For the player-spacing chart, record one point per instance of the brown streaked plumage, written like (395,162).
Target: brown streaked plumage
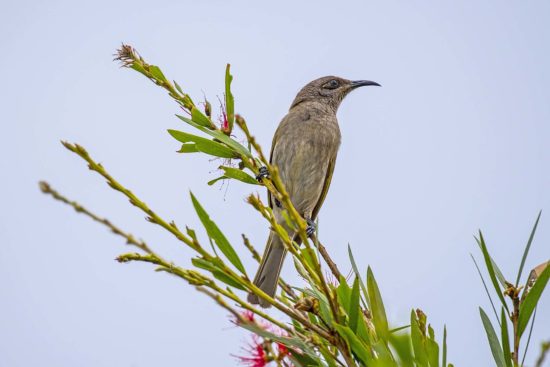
(304,149)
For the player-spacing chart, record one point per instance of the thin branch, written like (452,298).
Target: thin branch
(130,239)
(331,264)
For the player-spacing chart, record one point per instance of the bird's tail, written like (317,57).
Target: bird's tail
(268,273)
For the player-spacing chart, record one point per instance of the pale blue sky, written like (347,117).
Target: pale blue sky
(455,140)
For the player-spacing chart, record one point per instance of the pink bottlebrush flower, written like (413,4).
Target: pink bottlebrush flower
(283,351)
(256,354)
(247,315)
(225,122)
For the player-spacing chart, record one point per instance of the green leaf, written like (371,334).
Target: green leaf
(303,360)
(356,271)
(200,118)
(327,356)
(218,135)
(203,145)
(527,247)
(217,272)
(358,348)
(432,348)
(343,292)
(444,358)
(354,308)
(493,339)
(531,300)
(188,148)
(377,306)
(485,286)
(178,87)
(203,264)
(229,100)
(362,329)
(157,73)
(138,68)
(238,174)
(212,182)
(490,270)
(221,276)
(308,254)
(498,273)
(402,346)
(418,342)
(505,339)
(216,234)
(397,329)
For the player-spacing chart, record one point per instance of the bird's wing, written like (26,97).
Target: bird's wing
(326,184)
(269,200)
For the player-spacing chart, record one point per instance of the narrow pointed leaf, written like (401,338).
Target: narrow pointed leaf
(491,271)
(212,182)
(343,291)
(216,272)
(200,118)
(485,286)
(203,264)
(531,300)
(356,271)
(498,273)
(444,357)
(218,135)
(188,148)
(432,348)
(505,338)
(204,145)
(221,276)
(354,310)
(527,247)
(216,234)
(238,174)
(402,345)
(418,342)
(303,360)
(494,343)
(178,87)
(229,100)
(397,329)
(157,73)
(329,359)
(377,306)
(358,348)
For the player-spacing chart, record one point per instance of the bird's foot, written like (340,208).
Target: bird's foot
(311,227)
(262,173)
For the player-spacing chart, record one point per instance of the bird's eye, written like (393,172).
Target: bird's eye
(333,84)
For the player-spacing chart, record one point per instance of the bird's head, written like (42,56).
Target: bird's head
(329,90)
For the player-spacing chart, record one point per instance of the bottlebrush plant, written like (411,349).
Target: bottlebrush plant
(330,320)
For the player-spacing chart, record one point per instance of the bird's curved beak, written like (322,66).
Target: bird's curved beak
(363,83)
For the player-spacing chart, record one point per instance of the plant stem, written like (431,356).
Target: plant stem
(130,239)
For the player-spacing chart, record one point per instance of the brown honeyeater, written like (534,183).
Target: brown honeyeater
(304,150)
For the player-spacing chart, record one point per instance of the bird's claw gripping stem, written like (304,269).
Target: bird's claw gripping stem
(311,227)
(262,173)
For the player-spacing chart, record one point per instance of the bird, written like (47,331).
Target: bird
(304,150)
